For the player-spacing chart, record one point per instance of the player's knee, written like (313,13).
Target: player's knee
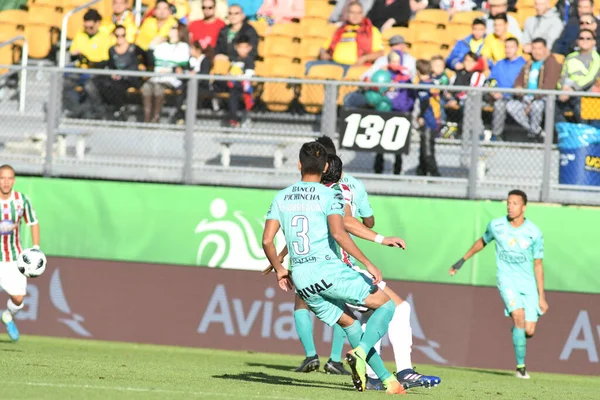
(17,300)
(300,304)
(345,320)
(518,317)
(377,299)
(529,332)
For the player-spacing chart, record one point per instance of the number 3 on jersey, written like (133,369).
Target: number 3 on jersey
(301,246)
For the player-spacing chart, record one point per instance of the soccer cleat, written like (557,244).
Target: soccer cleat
(374,384)
(409,378)
(359,369)
(11,327)
(309,364)
(335,368)
(522,373)
(392,386)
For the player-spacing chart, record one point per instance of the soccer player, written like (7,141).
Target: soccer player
(520,275)
(16,207)
(311,217)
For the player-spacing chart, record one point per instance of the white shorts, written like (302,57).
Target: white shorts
(11,280)
(381,285)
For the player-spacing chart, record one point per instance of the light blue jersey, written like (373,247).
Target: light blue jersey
(359,193)
(302,210)
(516,248)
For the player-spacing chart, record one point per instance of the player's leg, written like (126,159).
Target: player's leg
(532,313)
(334,364)
(304,329)
(15,284)
(514,306)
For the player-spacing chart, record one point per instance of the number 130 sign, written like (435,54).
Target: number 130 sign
(370,130)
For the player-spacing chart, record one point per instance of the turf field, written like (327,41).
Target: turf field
(49,368)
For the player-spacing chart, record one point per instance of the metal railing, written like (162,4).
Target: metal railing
(63,32)
(23,73)
(190,153)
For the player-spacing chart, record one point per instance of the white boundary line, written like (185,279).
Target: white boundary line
(146,390)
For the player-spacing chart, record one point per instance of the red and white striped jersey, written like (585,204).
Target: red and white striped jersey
(347,193)
(16,208)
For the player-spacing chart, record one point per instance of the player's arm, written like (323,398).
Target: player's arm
(538,269)
(369,222)
(341,236)
(268,242)
(356,228)
(476,248)
(281,256)
(35,235)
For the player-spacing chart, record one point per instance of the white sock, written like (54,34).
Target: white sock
(11,310)
(400,334)
(363,320)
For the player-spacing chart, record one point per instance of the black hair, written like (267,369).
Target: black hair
(517,192)
(313,157)
(242,39)
(328,143)
(472,55)
(92,15)
(478,21)
(512,39)
(501,16)
(540,40)
(334,170)
(588,31)
(119,27)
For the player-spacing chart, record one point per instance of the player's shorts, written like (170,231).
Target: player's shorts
(369,279)
(327,287)
(514,299)
(11,280)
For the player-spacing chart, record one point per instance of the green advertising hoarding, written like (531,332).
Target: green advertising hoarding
(221,227)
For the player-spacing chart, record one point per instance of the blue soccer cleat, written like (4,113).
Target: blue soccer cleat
(11,327)
(409,378)
(374,384)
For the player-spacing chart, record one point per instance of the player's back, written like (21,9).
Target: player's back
(302,210)
(359,195)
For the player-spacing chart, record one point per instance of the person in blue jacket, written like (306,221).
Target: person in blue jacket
(473,42)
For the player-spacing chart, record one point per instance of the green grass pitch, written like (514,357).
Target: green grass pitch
(51,368)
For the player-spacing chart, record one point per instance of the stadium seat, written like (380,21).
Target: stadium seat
(220,67)
(415,25)
(317,10)
(278,96)
(8,31)
(425,50)
(406,33)
(439,17)
(524,4)
(320,30)
(590,108)
(437,36)
(41,38)
(44,15)
(291,31)
(312,96)
(467,16)
(279,46)
(559,57)
(16,18)
(260,27)
(309,49)
(523,14)
(458,30)
(353,74)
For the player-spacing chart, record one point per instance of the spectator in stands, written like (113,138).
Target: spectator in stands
(355,43)
(587,21)
(237,27)
(206,30)
(242,63)
(453,6)
(123,56)
(503,75)
(571,31)
(428,120)
(567,10)
(471,75)
(340,11)
(398,44)
(545,24)
(281,11)
(493,45)
(579,73)
(498,7)
(180,10)
(473,43)
(248,7)
(388,13)
(542,72)
(90,46)
(171,56)
(156,29)
(196,12)
(121,16)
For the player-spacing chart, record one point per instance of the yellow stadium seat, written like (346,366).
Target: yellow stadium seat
(307,21)
(278,96)
(415,25)
(524,3)
(425,50)
(261,68)
(439,17)
(44,15)
(560,58)
(52,3)
(590,108)
(310,48)
(523,14)
(319,30)
(16,18)
(278,46)
(354,74)
(260,27)
(8,31)
(41,38)
(291,31)
(402,31)
(220,67)
(312,96)
(467,16)
(317,10)
(439,37)
(458,31)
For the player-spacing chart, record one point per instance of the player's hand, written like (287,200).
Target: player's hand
(543,305)
(284,280)
(454,269)
(376,272)
(393,241)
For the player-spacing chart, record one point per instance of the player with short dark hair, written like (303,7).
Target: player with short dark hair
(311,217)
(16,207)
(520,274)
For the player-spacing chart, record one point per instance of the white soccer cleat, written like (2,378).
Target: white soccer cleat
(522,373)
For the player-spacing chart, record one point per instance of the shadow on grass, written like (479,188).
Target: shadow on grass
(261,377)
(485,371)
(271,366)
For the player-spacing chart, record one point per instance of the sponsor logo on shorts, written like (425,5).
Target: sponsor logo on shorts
(313,289)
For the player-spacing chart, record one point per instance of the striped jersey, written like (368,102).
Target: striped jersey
(348,199)
(16,208)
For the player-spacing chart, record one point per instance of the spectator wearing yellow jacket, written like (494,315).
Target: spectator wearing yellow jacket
(120,16)
(155,29)
(493,45)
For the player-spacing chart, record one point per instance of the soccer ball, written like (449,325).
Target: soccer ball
(32,263)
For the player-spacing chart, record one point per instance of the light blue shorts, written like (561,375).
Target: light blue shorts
(328,287)
(514,299)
